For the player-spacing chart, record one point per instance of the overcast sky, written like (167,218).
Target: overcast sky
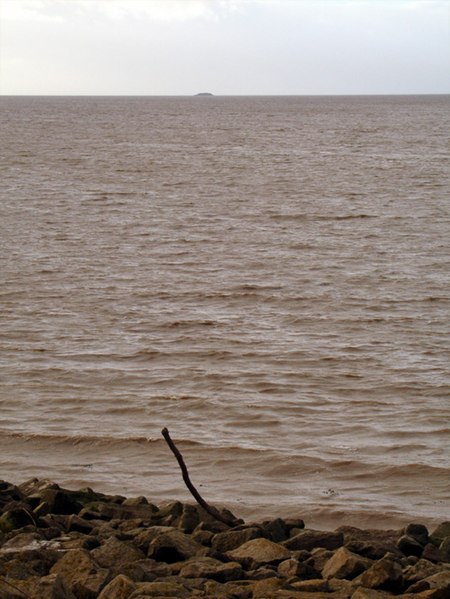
(166,47)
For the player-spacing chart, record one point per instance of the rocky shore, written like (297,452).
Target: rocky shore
(62,544)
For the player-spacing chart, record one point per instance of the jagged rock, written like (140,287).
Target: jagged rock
(173,546)
(120,587)
(345,564)
(422,569)
(206,567)
(317,558)
(292,567)
(258,552)
(384,574)
(440,533)
(309,539)
(114,554)
(159,589)
(143,538)
(227,541)
(144,570)
(81,574)
(373,544)
(410,546)
(204,537)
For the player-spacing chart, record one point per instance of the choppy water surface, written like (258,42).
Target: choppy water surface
(267,277)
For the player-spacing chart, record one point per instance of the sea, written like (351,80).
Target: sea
(267,277)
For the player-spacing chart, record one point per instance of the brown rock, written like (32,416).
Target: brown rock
(363,593)
(81,574)
(345,564)
(120,587)
(259,551)
(309,539)
(173,546)
(440,533)
(114,553)
(292,567)
(433,553)
(159,589)
(385,574)
(419,532)
(207,567)
(409,546)
(229,540)
(313,585)
(422,569)
(267,588)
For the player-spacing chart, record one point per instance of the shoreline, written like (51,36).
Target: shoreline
(83,544)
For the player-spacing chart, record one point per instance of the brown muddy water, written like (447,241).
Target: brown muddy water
(268,277)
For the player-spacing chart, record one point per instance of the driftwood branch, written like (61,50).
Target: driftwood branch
(198,498)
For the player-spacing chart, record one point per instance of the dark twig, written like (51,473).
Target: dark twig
(198,498)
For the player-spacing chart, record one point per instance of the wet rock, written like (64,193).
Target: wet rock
(384,574)
(173,546)
(227,541)
(409,546)
(309,539)
(120,587)
(345,564)
(258,552)
(81,574)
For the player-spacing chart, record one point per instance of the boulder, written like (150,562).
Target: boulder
(422,569)
(410,546)
(419,532)
(309,539)
(159,589)
(114,553)
(290,568)
(207,567)
(440,533)
(173,546)
(258,552)
(227,541)
(384,574)
(345,564)
(120,587)
(81,573)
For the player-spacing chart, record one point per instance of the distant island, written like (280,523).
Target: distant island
(204,94)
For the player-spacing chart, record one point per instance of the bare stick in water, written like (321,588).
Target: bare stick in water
(198,498)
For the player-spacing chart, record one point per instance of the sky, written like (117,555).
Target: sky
(226,47)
